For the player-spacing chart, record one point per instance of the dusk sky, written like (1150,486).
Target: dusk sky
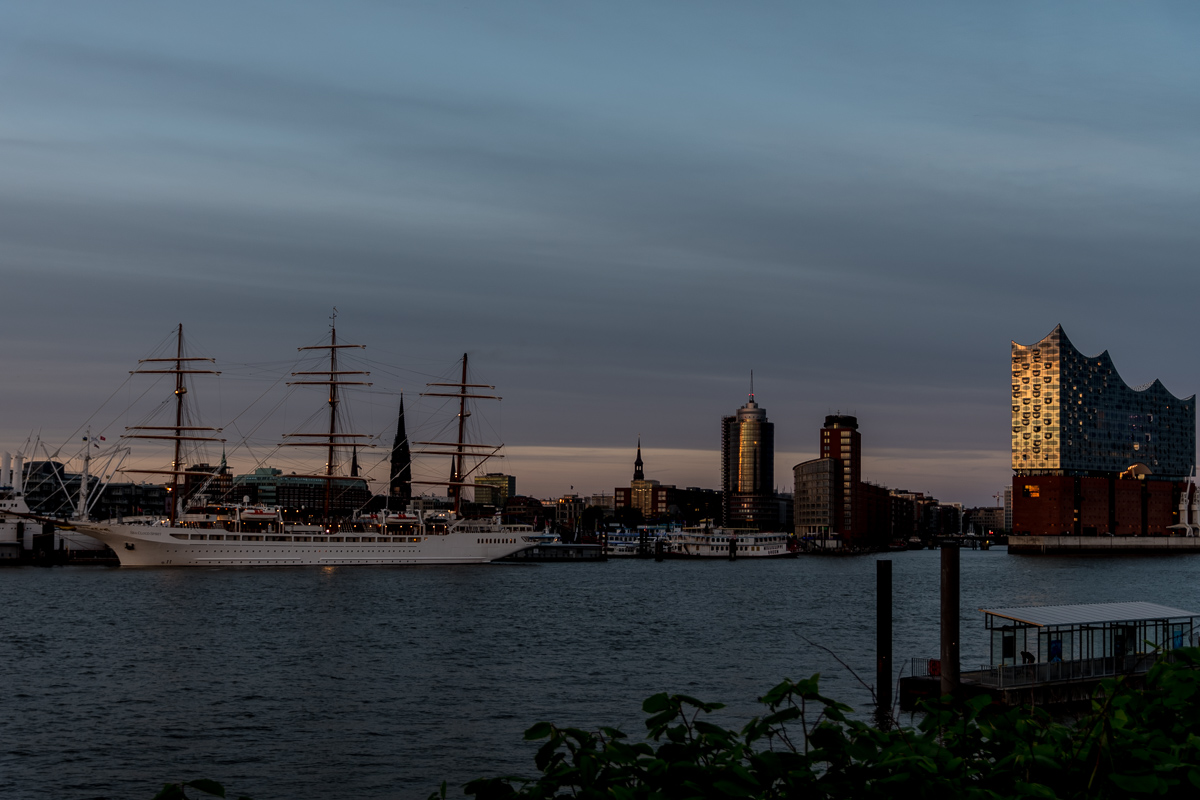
(618,209)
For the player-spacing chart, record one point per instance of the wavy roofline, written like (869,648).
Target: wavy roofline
(1104,356)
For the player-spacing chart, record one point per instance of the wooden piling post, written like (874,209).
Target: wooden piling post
(883,639)
(950,617)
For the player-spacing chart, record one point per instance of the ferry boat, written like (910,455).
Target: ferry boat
(632,544)
(704,542)
(701,542)
(246,535)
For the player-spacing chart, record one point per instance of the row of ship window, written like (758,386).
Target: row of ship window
(233,537)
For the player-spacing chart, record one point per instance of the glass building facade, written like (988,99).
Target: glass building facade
(748,469)
(1073,415)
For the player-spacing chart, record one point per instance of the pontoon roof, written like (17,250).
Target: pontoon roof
(1088,614)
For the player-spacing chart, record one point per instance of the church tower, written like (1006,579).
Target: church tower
(400,483)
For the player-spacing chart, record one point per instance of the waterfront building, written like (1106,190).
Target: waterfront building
(831,499)
(983,520)
(605,501)
(841,441)
(1090,454)
(521,510)
(905,515)
(494,489)
(835,506)
(302,497)
(567,510)
(817,497)
(748,469)
(658,502)
(646,496)
(52,491)
(204,484)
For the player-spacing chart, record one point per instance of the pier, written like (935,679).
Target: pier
(1103,545)
(1056,656)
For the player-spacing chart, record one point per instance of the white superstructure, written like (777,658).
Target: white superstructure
(256,537)
(701,542)
(719,543)
(12,499)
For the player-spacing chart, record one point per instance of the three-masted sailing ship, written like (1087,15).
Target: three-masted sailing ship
(256,535)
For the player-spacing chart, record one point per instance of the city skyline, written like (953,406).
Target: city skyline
(619,211)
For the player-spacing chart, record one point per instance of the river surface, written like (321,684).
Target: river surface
(363,682)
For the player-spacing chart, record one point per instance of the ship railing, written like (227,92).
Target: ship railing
(1011,675)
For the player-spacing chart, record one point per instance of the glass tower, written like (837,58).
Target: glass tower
(748,469)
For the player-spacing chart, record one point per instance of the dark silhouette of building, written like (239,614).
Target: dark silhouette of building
(660,503)
(52,491)
(1090,454)
(400,482)
(522,510)
(494,489)
(302,497)
(748,469)
(204,484)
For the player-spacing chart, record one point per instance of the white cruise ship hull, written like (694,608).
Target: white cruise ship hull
(163,546)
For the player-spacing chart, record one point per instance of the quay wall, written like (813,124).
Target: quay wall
(1115,545)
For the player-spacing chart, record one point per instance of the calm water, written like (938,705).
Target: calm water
(380,682)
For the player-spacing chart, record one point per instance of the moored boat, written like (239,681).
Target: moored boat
(704,542)
(256,535)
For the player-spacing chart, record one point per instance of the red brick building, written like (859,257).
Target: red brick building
(1090,505)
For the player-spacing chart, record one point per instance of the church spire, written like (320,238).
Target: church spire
(400,485)
(638,473)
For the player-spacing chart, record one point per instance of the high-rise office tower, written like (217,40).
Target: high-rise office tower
(841,440)
(748,469)
(831,499)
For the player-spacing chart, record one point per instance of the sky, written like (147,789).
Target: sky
(617,209)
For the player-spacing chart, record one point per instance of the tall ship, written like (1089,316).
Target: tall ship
(249,535)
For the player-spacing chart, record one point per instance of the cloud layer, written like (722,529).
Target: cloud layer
(619,210)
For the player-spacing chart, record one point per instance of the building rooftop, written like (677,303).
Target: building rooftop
(1088,614)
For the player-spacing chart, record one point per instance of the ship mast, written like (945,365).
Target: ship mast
(457,476)
(332,439)
(456,461)
(176,432)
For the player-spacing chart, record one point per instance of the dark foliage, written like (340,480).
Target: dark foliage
(1133,742)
